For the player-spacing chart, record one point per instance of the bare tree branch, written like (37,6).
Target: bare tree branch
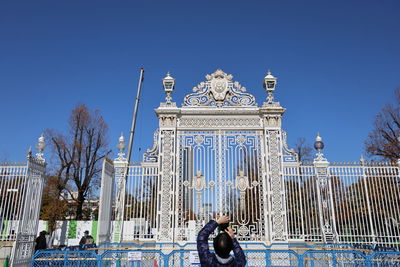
(303,150)
(383,141)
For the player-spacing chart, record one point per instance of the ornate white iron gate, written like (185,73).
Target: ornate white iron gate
(220,173)
(218,154)
(221,154)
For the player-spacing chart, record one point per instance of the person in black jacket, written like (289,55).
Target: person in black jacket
(86,239)
(224,243)
(41,242)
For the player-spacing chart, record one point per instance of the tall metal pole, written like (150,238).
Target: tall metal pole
(132,133)
(120,208)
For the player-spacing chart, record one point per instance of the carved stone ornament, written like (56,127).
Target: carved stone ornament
(219,90)
(167,120)
(273,121)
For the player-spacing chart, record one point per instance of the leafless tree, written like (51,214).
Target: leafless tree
(303,150)
(79,154)
(384,140)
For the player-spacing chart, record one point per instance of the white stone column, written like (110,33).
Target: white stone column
(276,217)
(167,115)
(121,169)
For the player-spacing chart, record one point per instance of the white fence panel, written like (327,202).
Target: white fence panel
(366,202)
(106,201)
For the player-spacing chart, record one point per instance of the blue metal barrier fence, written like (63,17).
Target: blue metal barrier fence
(183,257)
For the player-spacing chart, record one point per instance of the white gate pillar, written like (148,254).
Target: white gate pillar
(167,114)
(324,195)
(121,170)
(271,113)
(275,194)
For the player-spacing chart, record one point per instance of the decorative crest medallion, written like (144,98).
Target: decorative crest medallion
(219,90)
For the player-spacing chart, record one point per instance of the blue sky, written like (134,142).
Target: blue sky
(337,63)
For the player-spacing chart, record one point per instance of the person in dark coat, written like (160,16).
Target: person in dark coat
(41,242)
(224,243)
(86,239)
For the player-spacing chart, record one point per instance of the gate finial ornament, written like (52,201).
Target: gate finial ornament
(121,147)
(40,147)
(319,146)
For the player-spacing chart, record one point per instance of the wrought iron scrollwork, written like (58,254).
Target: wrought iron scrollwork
(151,155)
(219,91)
(289,155)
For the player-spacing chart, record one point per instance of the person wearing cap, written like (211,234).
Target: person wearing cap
(86,239)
